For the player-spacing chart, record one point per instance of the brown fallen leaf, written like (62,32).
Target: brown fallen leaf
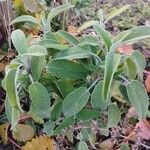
(72,29)
(42,142)
(24,133)
(131,113)
(125,49)
(107,145)
(147,83)
(3,64)
(141,130)
(3,132)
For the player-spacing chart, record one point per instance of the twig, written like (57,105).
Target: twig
(146,146)
(146,72)
(9,19)
(14,143)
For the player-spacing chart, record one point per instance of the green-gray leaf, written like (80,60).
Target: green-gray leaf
(56,112)
(87,114)
(82,145)
(138,98)
(64,124)
(40,100)
(58,10)
(96,97)
(66,69)
(11,88)
(65,87)
(111,63)
(19,41)
(25,18)
(117,12)
(140,63)
(124,147)
(74,53)
(75,101)
(37,65)
(15,118)
(114,115)
(89,40)
(48,127)
(131,68)
(104,35)
(137,33)
(87,24)
(35,50)
(68,37)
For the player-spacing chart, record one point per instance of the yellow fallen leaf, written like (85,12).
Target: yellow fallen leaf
(42,142)
(24,132)
(3,132)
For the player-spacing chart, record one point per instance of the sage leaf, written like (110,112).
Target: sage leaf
(66,69)
(15,118)
(58,10)
(11,88)
(87,114)
(37,65)
(89,40)
(75,101)
(137,33)
(56,112)
(82,145)
(19,41)
(87,24)
(65,87)
(74,53)
(68,37)
(36,50)
(111,63)
(131,68)
(114,115)
(117,12)
(48,127)
(96,98)
(40,100)
(124,147)
(64,124)
(104,35)
(25,18)
(138,97)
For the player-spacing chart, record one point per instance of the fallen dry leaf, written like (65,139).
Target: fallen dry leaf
(141,130)
(147,83)
(42,142)
(3,132)
(131,113)
(107,145)
(3,65)
(72,29)
(125,49)
(24,132)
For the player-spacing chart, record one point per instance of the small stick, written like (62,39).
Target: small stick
(14,143)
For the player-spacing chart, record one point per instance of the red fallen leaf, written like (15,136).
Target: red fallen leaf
(147,83)
(125,49)
(141,130)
